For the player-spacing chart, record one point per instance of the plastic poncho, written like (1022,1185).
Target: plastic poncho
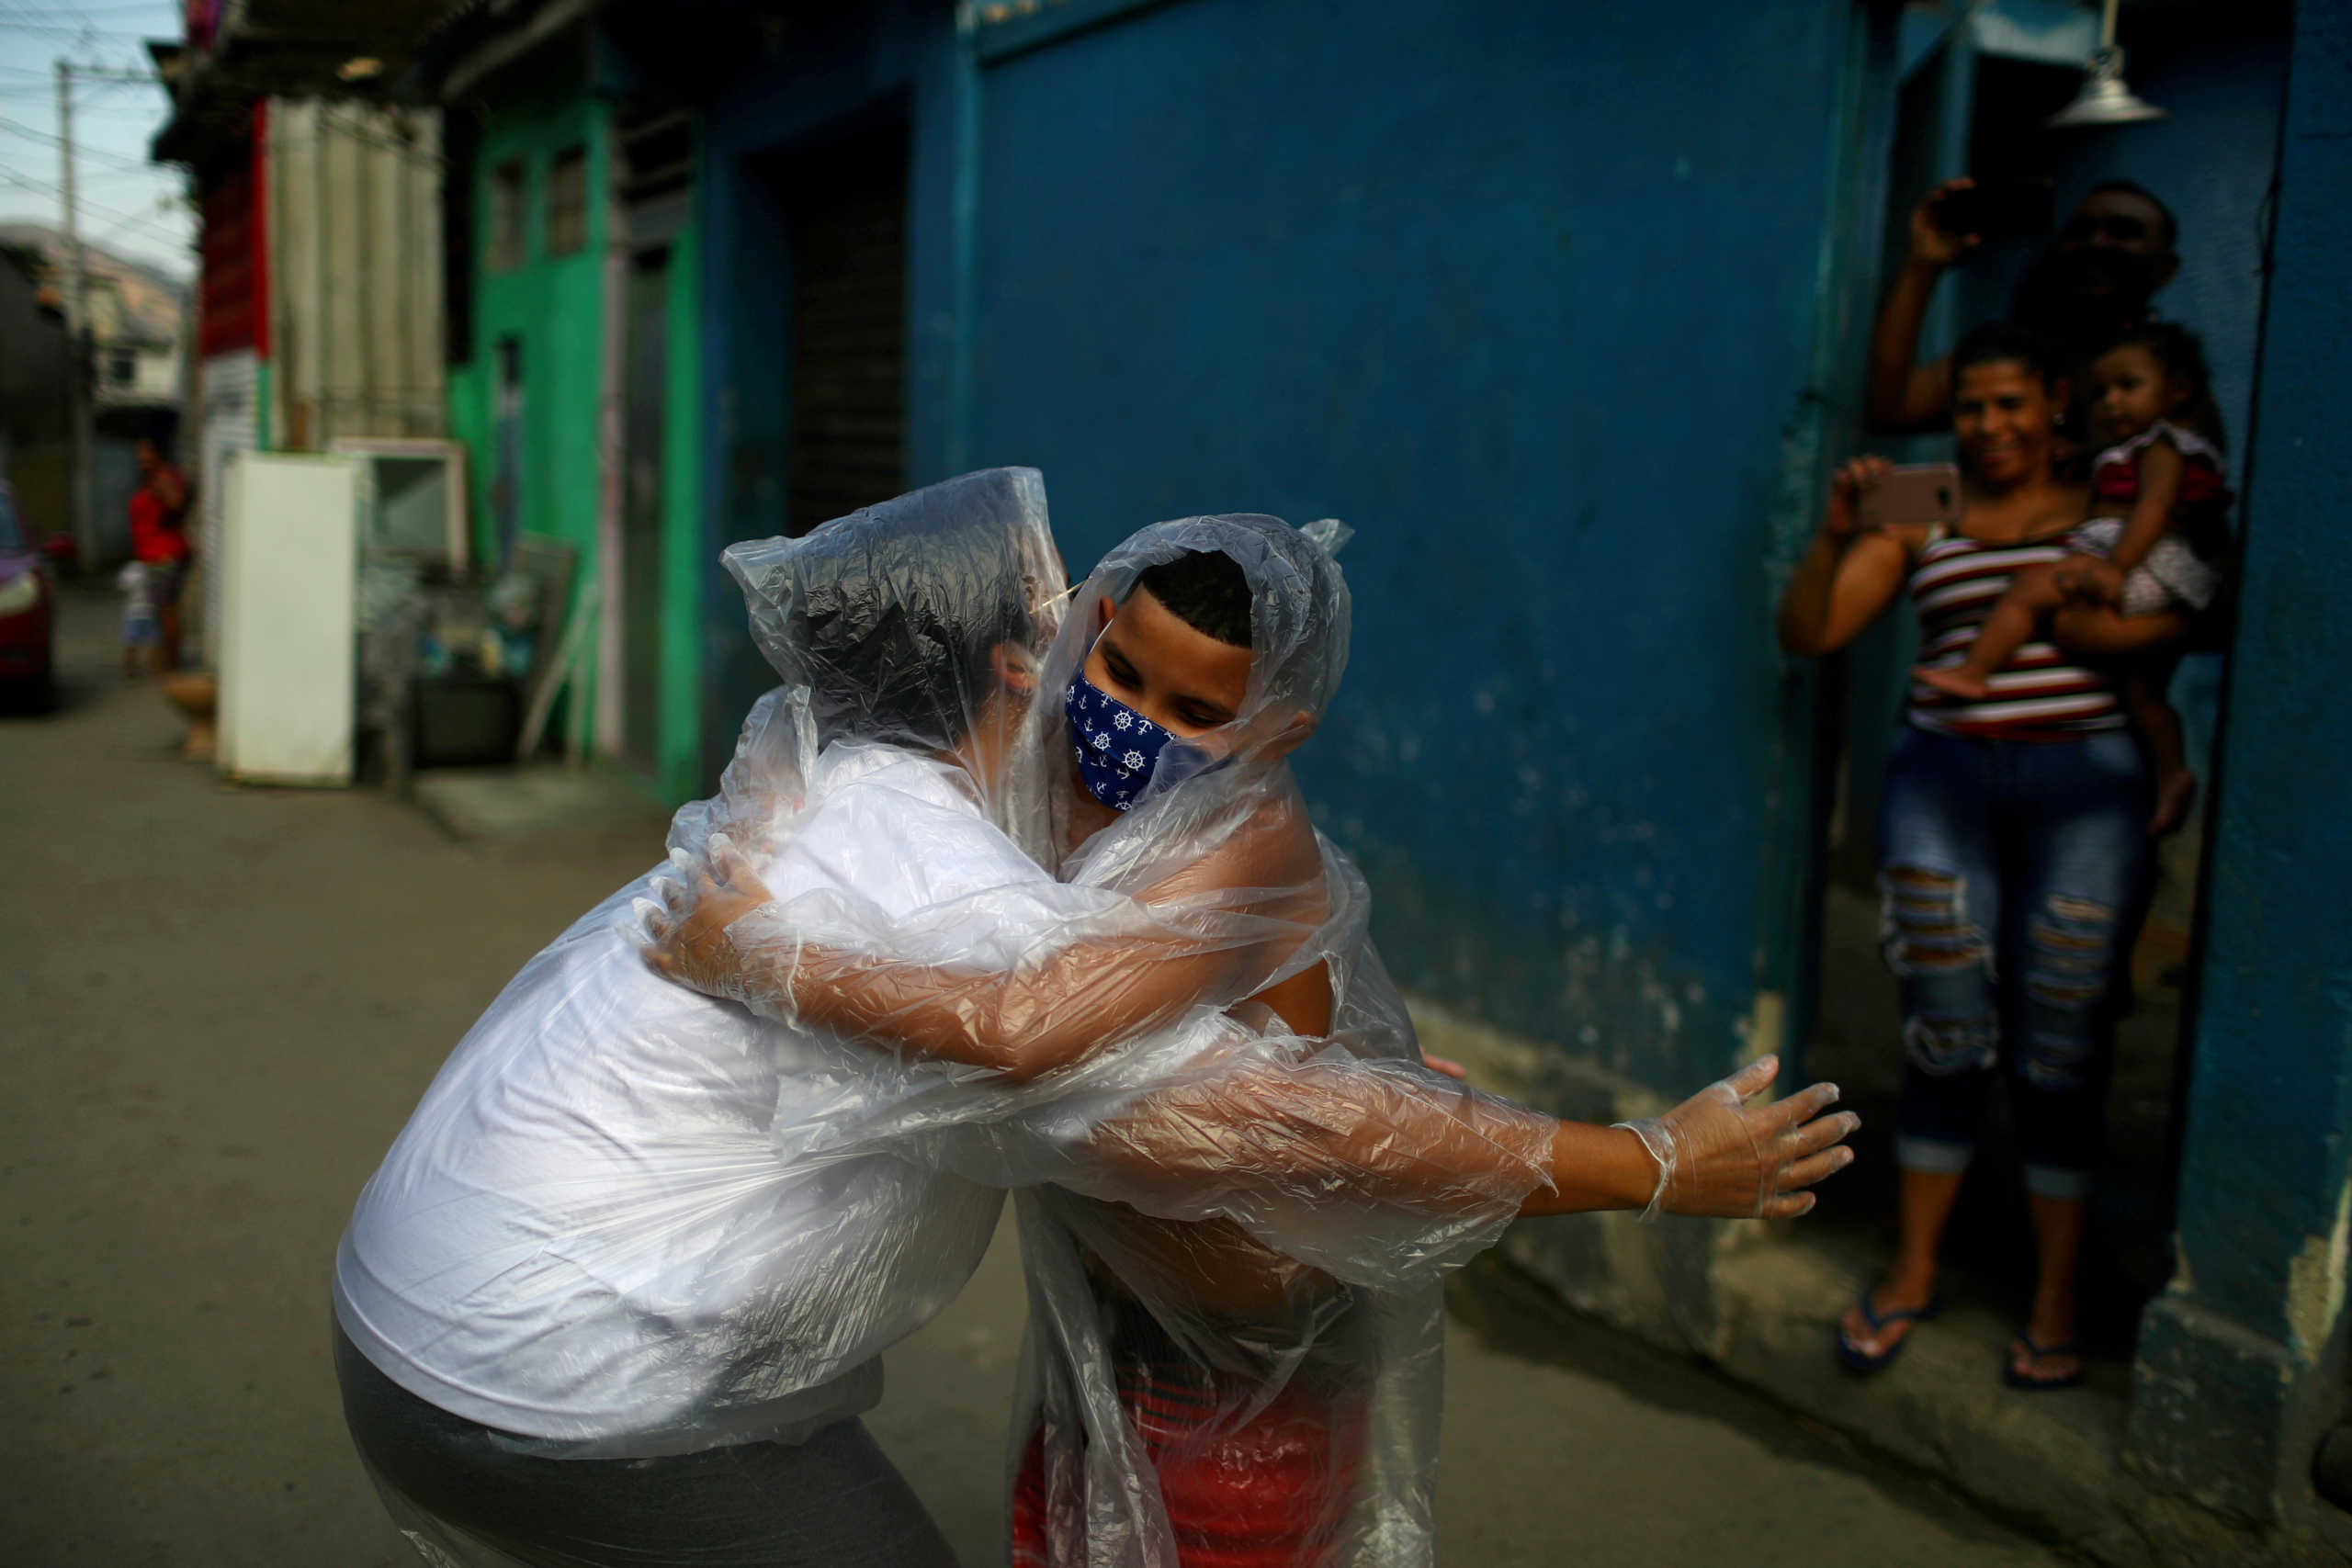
(631,1220)
(1233,1234)
(594,1231)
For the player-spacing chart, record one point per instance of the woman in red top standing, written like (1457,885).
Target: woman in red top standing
(159,538)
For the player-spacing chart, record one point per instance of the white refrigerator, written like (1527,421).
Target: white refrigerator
(289,553)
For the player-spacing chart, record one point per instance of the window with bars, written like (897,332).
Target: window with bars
(568,202)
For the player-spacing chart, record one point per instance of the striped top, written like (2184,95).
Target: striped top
(2037,696)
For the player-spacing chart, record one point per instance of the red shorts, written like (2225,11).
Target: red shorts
(1271,1492)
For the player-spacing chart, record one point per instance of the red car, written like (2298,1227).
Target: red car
(28,609)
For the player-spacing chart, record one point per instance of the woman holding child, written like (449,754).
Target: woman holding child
(2015,829)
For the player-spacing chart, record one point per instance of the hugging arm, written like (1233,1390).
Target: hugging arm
(1189,941)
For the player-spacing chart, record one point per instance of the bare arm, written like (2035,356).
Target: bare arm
(1382,1131)
(1847,577)
(2160,473)
(1904,394)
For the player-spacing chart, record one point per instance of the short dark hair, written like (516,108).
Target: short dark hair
(2133,188)
(891,617)
(1206,590)
(2004,342)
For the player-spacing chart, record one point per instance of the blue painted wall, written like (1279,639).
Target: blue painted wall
(2272,1098)
(831,70)
(1560,310)
(1530,299)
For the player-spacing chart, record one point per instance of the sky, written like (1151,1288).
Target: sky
(130,205)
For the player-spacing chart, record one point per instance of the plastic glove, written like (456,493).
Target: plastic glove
(684,935)
(1720,1157)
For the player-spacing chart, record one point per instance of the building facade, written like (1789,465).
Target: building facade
(574,354)
(318,285)
(1568,319)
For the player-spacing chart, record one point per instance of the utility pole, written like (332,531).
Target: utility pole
(77,357)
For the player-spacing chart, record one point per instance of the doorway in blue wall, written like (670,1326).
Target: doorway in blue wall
(846,204)
(806,317)
(1969,105)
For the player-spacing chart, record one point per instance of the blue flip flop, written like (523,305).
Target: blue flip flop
(1861,1361)
(2034,1352)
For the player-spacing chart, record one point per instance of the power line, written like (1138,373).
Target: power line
(48,139)
(117,227)
(10,24)
(55,192)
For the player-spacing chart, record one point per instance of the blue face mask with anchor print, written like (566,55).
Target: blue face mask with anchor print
(1119,750)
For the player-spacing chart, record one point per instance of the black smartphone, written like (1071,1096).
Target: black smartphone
(1999,209)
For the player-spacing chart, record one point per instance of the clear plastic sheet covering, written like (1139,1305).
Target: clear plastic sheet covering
(592,1233)
(629,1220)
(1232,1231)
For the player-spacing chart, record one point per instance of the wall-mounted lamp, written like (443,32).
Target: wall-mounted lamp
(2104,100)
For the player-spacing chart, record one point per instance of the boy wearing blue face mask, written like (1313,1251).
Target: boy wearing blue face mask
(1171,664)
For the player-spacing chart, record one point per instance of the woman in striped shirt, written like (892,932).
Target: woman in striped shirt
(2011,848)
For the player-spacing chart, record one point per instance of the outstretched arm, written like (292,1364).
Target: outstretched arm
(1386,1130)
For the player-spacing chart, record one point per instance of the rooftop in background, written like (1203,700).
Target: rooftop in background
(153,301)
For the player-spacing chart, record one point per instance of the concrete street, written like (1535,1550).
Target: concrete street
(218,1004)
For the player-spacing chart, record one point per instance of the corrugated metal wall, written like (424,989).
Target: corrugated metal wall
(356,276)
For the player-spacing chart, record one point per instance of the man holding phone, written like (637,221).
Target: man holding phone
(2095,279)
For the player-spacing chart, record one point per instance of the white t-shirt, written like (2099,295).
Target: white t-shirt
(598,1228)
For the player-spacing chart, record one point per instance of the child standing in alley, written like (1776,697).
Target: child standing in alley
(2141,569)
(141,629)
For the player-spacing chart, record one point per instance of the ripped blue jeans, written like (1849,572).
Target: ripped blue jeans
(2012,874)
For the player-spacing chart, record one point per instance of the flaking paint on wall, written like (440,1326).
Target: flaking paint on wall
(2315,1283)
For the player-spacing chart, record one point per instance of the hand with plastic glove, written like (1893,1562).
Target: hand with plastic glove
(1720,1155)
(687,932)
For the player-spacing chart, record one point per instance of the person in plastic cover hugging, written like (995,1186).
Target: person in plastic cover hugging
(619,1291)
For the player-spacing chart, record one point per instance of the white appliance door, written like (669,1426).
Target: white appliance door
(288,645)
